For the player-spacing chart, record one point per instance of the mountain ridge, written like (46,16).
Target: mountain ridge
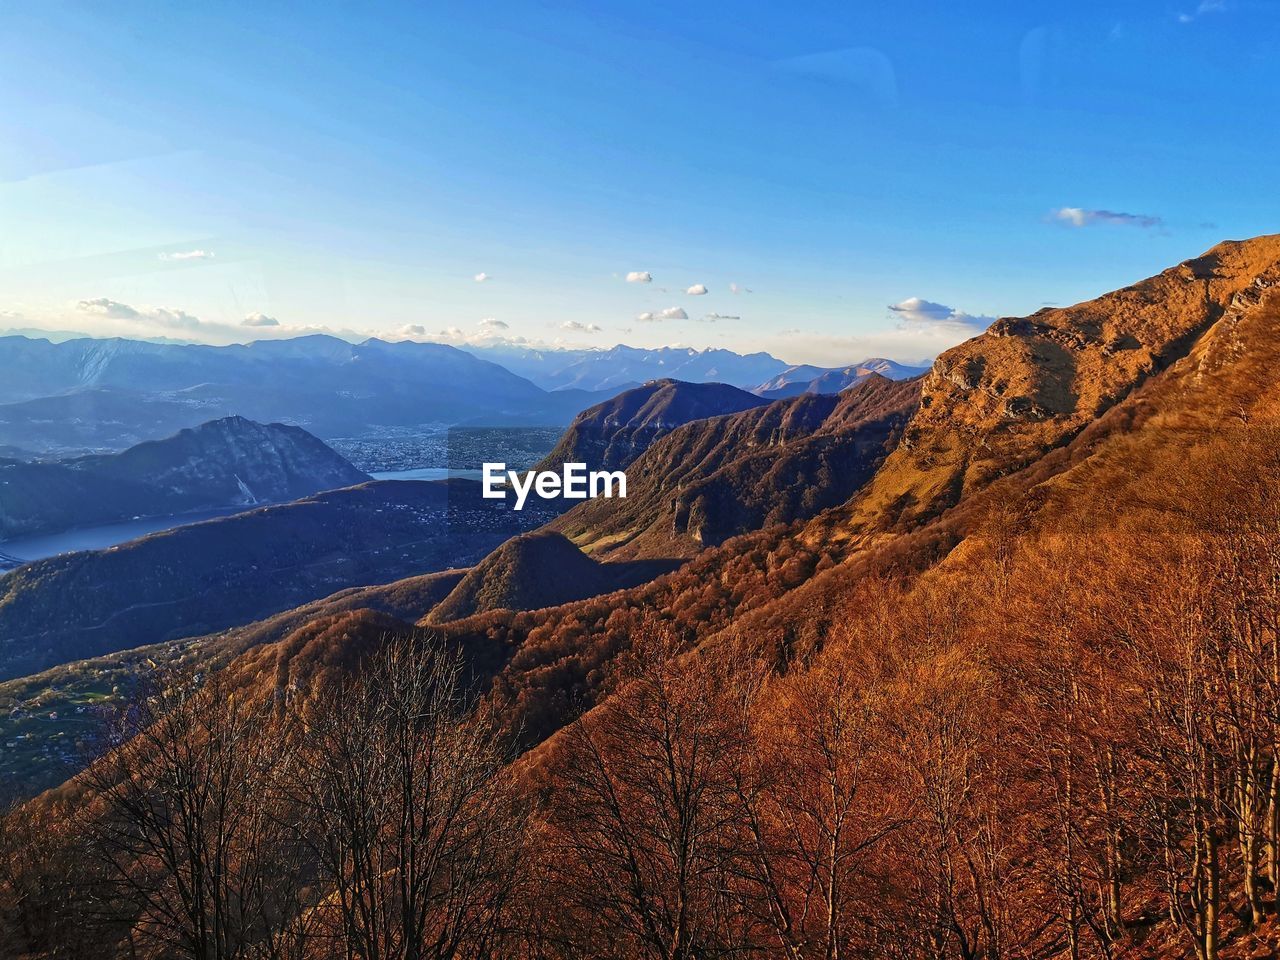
(805,378)
(610,435)
(709,480)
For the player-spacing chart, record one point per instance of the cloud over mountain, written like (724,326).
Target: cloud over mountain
(918,312)
(158,316)
(581,327)
(259,320)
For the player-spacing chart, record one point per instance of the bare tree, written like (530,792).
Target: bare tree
(194,850)
(645,814)
(408,809)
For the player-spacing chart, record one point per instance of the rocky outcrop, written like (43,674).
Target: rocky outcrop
(995,403)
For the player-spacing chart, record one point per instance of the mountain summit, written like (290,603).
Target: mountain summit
(612,434)
(228,462)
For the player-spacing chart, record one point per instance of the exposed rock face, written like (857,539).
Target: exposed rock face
(612,434)
(996,402)
(228,462)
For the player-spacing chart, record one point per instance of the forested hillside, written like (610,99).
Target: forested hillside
(1015,698)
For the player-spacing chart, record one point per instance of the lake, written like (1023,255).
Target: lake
(112,534)
(427,473)
(99,538)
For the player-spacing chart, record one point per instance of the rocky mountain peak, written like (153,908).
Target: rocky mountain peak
(1027,384)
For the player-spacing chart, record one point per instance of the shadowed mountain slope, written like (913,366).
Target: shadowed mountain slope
(541,569)
(967,638)
(1210,360)
(208,576)
(713,479)
(610,435)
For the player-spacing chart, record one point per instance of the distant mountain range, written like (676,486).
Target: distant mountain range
(621,367)
(92,394)
(65,396)
(804,378)
(228,462)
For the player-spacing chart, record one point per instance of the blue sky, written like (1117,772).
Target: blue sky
(174,171)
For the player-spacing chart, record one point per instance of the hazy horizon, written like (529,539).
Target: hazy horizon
(819,184)
(356,338)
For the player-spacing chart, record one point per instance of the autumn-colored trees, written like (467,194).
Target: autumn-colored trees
(1062,741)
(380,823)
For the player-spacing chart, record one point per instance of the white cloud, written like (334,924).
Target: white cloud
(481,277)
(697,290)
(188,255)
(671,313)
(924,329)
(1080,217)
(737,288)
(1205,6)
(917,313)
(639,276)
(581,327)
(412,330)
(156,316)
(919,310)
(713,317)
(104,307)
(259,320)
(493,323)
